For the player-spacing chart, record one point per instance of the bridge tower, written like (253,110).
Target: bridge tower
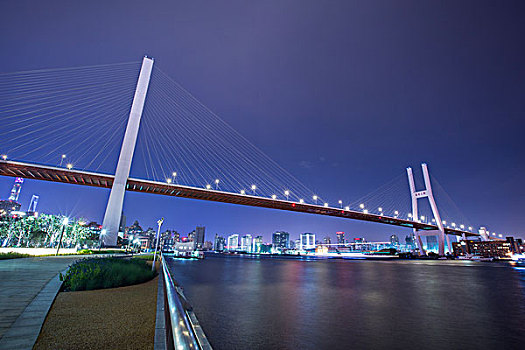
(427,193)
(110,225)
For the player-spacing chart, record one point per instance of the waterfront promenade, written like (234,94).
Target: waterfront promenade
(28,287)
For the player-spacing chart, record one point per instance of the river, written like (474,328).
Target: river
(244,302)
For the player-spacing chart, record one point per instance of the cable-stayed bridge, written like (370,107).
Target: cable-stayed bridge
(71,125)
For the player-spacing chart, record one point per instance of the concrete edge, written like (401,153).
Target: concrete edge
(24,332)
(160,319)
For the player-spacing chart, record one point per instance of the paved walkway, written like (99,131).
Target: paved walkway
(28,287)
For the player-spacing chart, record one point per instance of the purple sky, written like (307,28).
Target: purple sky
(357,89)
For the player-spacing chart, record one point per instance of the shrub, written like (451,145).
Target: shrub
(13,255)
(100,273)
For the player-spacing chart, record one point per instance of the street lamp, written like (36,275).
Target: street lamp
(4,156)
(301,201)
(69,166)
(243,192)
(208,186)
(62,159)
(216,184)
(168,180)
(253,188)
(365,211)
(174,175)
(156,244)
(410,215)
(287,194)
(362,206)
(315,198)
(65,221)
(326,205)
(380,210)
(347,208)
(341,203)
(396,213)
(274,196)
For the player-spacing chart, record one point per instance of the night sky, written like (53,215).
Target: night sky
(343,94)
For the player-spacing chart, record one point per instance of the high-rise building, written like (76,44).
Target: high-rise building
(233,242)
(246,243)
(410,241)
(281,240)
(340,238)
(219,243)
(307,241)
(257,244)
(394,241)
(15,191)
(199,237)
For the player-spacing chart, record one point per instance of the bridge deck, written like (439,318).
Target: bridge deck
(85,178)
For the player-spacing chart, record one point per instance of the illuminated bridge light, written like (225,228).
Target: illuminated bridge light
(70,166)
(208,186)
(362,206)
(243,192)
(301,201)
(347,208)
(4,156)
(326,205)
(462,226)
(470,228)
(365,211)
(168,180)
(274,196)
(287,194)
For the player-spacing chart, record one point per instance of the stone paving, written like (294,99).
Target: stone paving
(28,287)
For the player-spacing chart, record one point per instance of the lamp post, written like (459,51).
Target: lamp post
(65,221)
(156,244)
(62,160)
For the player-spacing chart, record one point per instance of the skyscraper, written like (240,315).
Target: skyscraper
(307,241)
(233,242)
(281,240)
(257,244)
(394,241)
(15,191)
(327,240)
(199,236)
(340,238)
(246,243)
(219,243)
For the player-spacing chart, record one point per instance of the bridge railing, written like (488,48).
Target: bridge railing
(183,330)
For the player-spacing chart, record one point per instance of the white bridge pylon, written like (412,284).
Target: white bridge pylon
(111,223)
(427,193)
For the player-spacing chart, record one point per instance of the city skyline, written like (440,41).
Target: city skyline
(263,115)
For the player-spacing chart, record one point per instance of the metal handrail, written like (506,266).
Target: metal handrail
(182,328)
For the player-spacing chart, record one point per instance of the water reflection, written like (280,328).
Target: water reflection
(246,303)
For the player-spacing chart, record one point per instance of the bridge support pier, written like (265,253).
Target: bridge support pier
(427,193)
(111,223)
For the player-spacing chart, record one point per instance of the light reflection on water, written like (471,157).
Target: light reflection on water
(249,303)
